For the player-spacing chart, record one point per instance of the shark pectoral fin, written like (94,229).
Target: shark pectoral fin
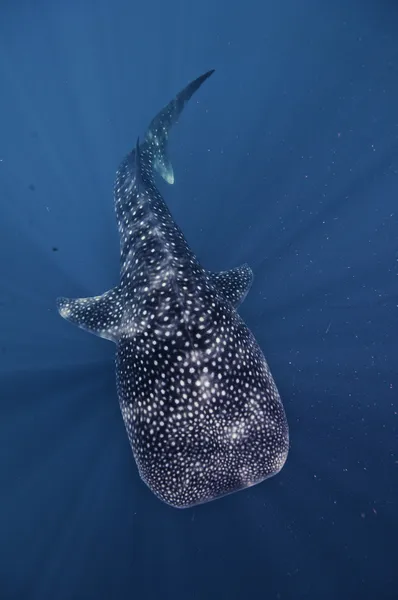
(233,285)
(101,315)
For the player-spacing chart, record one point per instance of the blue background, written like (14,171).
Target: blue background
(287,158)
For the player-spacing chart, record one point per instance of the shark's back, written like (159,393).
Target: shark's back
(201,409)
(200,405)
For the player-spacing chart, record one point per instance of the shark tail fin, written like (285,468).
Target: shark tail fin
(156,137)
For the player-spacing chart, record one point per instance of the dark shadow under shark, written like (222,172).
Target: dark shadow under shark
(201,409)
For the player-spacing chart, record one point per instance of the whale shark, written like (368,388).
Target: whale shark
(201,409)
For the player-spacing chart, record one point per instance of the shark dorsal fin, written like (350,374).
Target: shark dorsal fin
(138,164)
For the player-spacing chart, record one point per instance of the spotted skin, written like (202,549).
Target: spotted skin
(200,406)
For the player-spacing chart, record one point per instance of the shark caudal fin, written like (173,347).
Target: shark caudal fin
(157,134)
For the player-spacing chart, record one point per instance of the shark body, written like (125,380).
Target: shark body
(201,409)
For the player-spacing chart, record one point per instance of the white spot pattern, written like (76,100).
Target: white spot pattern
(200,406)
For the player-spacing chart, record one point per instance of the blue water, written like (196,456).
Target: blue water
(287,159)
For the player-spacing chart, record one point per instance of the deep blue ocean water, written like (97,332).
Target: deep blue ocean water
(287,159)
